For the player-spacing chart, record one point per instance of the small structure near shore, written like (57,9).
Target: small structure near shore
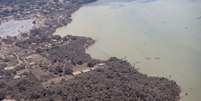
(40,66)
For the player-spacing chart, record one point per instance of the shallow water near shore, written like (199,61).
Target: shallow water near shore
(161,37)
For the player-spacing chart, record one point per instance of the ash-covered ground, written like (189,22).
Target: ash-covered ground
(36,65)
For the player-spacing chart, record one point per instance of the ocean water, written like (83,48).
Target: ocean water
(160,37)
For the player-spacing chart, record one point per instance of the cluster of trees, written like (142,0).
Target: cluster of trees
(118,81)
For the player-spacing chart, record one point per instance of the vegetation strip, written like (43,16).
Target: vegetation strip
(38,66)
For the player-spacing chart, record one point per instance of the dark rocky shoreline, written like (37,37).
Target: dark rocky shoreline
(40,66)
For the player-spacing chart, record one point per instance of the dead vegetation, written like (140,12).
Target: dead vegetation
(39,66)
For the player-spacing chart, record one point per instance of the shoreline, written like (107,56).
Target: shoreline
(38,65)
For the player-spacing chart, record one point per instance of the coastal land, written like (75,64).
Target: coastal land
(36,65)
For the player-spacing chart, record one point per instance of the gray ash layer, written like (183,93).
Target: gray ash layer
(39,66)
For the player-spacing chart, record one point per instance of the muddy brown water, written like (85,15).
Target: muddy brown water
(161,37)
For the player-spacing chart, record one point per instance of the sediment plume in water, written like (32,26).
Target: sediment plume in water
(38,66)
